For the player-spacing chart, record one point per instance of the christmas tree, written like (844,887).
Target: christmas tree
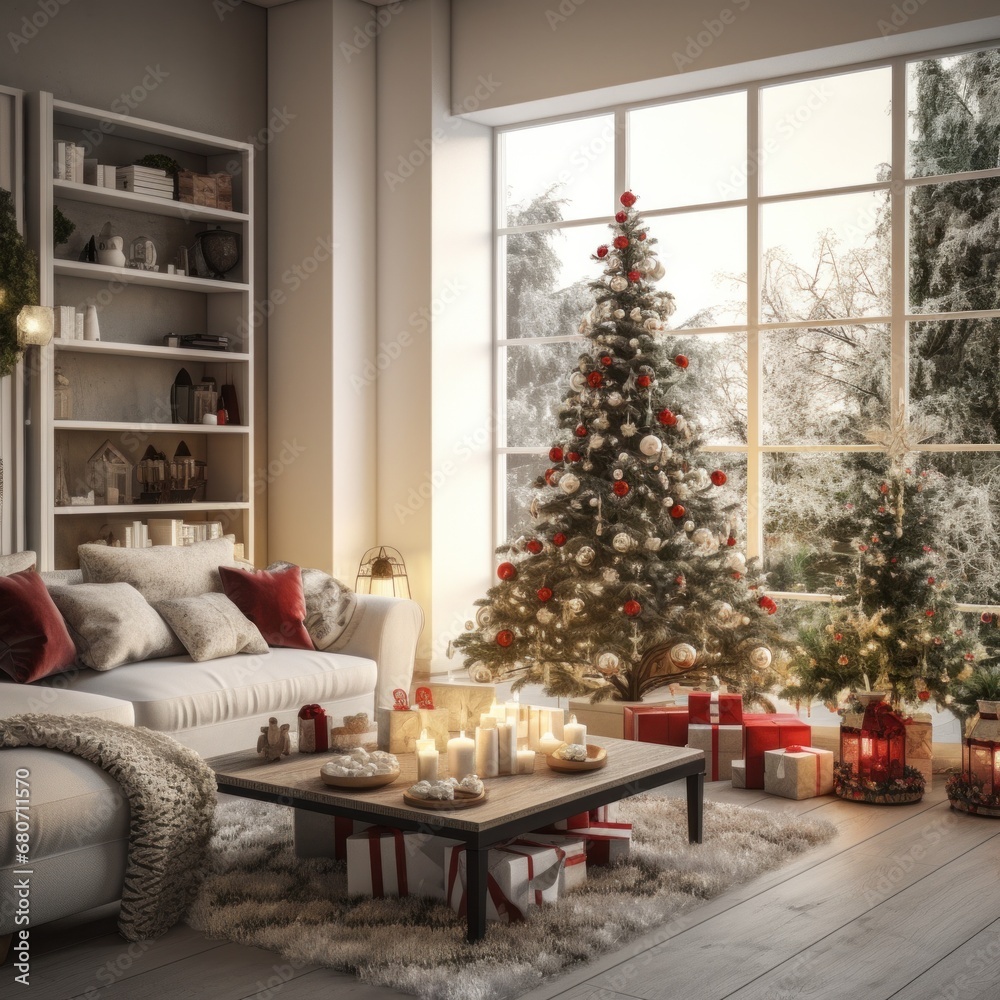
(631,576)
(897,627)
(18,282)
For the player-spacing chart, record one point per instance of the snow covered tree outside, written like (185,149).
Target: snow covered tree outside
(628,575)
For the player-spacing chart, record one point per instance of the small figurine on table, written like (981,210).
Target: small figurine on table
(273,741)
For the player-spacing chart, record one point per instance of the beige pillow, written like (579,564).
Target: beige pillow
(112,624)
(211,626)
(161,572)
(329,605)
(17,562)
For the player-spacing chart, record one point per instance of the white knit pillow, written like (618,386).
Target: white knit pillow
(211,626)
(16,562)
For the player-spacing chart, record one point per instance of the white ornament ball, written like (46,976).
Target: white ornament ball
(735,560)
(615,399)
(724,612)
(689,525)
(601,422)
(593,501)
(618,283)
(704,541)
(760,657)
(635,314)
(633,343)
(653,544)
(617,474)
(569,483)
(650,445)
(619,314)
(585,556)
(657,272)
(577,381)
(683,655)
(609,575)
(609,663)
(545,616)
(622,542)
(574,605)
(596,442)
(652,325)
(668,501)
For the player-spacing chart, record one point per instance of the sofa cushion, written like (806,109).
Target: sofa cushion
(211,626)
(329,605)
(17,562)
(53,697)
(33,638)
(273,601)
(175,694)
(161,572)
(61,577)
(112,624)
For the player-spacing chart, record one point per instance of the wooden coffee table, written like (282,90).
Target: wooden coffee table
(517,804)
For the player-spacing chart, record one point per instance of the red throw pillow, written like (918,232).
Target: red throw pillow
(273,601)
(34,641)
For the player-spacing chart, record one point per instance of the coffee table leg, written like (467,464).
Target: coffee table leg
(696,806)
(477,874)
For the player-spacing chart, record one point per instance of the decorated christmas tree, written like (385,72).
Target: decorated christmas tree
(18,282)
(631,576)
(897,626)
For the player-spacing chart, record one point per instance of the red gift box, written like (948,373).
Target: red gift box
(606,842)
(663,724)
(769,732)
(314,729)
(710,708)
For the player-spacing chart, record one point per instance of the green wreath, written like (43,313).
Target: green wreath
(18,282)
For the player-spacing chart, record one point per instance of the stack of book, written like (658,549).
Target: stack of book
(99,174)
(174,531)
(127,535)
(67,161)
(149,181)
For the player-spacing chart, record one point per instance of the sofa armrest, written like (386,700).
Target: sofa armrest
(384,629)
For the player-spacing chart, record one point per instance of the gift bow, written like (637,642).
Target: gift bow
(312,712)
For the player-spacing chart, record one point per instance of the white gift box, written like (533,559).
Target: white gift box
(574,870)
(798,772)
(739,770)
(465,703)
(382,862)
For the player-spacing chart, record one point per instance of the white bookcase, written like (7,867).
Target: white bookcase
(121,383)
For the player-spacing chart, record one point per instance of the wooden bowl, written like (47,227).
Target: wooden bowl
(597,757)
(369,781)
(463,801)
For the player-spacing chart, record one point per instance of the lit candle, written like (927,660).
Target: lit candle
(487,752)
(575,732)
(556,720)
(461,756)
(549,744)
(525,761)
(507,747)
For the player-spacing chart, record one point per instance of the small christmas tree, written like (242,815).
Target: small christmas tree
(18,282)
(897,626)
(631,576)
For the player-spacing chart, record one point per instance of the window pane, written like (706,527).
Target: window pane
(537,382)
(828,132)
(825,258)
(704,255)
(520,475)
(548,273)
(953,252)
(953,118)
(713,391)
(734,493)
(825,385)
(572,161)
(689,152)
(954,377)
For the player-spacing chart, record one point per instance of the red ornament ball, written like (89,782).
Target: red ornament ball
(534,546)
(719,477)
(986,618)
(678,510)
(621,216)
(970,656)
(667,418)
(837,636)
(679,580)
(924,695)
(607,360)
(506,571)
(549,473)
(581,431)
(595,380)
(640,236)
(505,637)
(643,381)
(572,456)
(544,593)
(635,276)
(620,488)
(628,199)
(602,250)
(559,539)
(555,454)
(930,580)
(621,242)
(930,612)
(681,361)
(731,540)
(631,608)
(767,604)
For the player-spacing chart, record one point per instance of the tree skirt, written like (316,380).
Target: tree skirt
(262,895)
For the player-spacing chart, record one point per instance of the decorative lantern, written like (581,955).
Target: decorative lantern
(35,325)
(383,571)
(109,475)
(977,788)
(872,764)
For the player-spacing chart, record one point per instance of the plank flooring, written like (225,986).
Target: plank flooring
(901,904)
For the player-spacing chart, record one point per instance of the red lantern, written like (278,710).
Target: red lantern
(977,788)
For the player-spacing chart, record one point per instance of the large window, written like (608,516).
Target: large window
(833,243)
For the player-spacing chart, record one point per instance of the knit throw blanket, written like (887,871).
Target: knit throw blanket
(171,795)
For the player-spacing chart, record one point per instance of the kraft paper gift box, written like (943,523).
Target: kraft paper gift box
(574,871)
(739,774)
(384,862)
(398,732)
(663,724)
(769,732)
(521,875)
(712,708)
(314,729)
(722,745)
(920,745)
(465,703)
(798,772)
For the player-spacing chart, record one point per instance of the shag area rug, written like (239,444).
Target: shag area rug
(261,894)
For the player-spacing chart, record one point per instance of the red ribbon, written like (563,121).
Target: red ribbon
(375,835)
(560,858)
(318,715)
(501,904)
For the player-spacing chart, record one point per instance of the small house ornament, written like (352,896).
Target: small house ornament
(109,475)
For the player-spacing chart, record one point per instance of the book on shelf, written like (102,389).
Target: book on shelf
(67,161)
(165,530)
(126,534)
(59,160)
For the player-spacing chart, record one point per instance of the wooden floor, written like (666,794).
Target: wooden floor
(903,903)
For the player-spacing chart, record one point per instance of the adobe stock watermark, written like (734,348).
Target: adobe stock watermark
(45,11)
(899,16)
(712,28)
(366,33)
(562,13)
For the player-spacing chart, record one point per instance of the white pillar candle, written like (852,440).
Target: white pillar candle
(575,732)
(549,743)
(461,756)
(552,722)
(427,764)
(499,712)
(487,752)
(507,747)
(487,721)
(525,761)
(534,726)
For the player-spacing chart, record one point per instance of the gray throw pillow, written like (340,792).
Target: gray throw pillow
(16,562)
(329,605)
(160,572)
(211,626)
(111,624)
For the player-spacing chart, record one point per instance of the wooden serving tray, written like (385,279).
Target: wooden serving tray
(462,800)
(370,781)
(597,757)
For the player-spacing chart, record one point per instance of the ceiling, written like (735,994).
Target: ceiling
(278,3)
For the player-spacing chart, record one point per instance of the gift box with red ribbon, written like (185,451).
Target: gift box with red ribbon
(579,821)
(769,732)
(607,841)
(344,828)
(663,724)
(798,772)
(314,729)
(711,708)
(722,745)
(574,870)
(382,861)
